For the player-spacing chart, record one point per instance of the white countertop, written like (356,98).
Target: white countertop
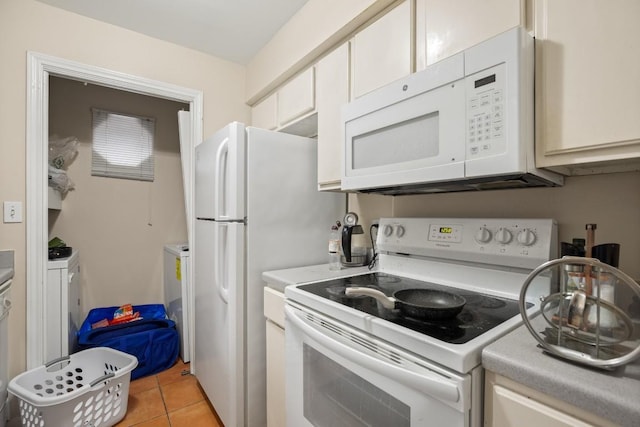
(613,395)
(279,279)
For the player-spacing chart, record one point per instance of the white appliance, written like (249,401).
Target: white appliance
(463,123)
(257,209)
(62,309)
(5,307)
(352,362)
(177,293)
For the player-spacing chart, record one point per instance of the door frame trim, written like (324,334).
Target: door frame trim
(39,68)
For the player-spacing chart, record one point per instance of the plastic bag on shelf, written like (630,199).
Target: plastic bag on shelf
(62,151)
(58,180)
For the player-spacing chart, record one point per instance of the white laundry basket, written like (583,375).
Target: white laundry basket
(89,388)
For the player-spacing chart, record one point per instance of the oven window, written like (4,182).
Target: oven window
(406,141)
(335,396)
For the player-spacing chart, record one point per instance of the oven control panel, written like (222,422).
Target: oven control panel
(500,241)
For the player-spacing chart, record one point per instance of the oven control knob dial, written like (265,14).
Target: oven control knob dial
(388,230)
(503,236)
(483,235)
(400,231)
(527,237)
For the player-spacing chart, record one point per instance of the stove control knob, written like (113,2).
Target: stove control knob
(483,235)
(503,236)
(527,237)
(400,231)
(388,230)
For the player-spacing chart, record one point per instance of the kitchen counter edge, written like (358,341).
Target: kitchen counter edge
(279,279)
(614,395)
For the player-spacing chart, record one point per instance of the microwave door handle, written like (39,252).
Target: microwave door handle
(428,383)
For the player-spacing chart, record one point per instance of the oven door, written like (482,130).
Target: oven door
(339,376)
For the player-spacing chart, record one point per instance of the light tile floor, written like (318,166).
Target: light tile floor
(169,399)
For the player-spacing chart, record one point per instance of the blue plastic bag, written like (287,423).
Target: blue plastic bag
(147,311)
(153,340)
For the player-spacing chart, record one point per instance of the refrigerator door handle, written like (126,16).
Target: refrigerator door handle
(218,262)
(220,182)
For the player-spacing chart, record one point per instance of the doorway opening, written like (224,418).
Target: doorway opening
(40,68)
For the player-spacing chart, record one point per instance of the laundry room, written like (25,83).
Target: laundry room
(118,226)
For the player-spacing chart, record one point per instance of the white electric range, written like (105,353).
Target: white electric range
(352,362)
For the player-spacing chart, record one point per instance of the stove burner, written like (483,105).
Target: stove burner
(485,301)
(480,314)
(385,278)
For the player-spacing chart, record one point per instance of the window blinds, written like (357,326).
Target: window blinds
(122,146)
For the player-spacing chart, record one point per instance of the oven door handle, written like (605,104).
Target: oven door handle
(425,383)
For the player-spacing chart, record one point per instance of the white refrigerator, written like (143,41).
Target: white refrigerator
(257,208)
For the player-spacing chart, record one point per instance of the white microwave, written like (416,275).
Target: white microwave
(463,123)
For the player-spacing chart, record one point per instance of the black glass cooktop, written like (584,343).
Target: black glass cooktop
(480,313)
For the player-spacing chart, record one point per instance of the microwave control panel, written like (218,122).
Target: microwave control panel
(485,92)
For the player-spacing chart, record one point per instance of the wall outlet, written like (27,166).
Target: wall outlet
(12,212)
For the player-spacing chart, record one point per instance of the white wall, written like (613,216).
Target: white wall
(27,25)
(612,201)
(119,225)
(318,25)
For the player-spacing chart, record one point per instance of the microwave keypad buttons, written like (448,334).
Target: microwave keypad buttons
(486,125)
(485,112)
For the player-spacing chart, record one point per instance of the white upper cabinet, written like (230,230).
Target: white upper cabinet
(264,115)
(297,98)
(332,86)
(382,52)
(445,27)
(290,108)
(587,82)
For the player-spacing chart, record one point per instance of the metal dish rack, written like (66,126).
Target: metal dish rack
(590,320)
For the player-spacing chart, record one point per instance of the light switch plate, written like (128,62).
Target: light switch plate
(12,212)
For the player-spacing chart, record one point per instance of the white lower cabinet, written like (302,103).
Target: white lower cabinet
(510,404)
(274,312)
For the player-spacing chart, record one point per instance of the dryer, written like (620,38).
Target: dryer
(62,309)
(177,293)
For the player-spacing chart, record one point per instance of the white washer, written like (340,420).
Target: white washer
(5,306)
(177,293)
(63,306)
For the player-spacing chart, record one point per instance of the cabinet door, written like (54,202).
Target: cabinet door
(381,52)
(274,312)
(587,85)
(445,27)
(296,98)
(511,404)
(56,287)
(264,114)
(513,409)
(332,85)
(276,405)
